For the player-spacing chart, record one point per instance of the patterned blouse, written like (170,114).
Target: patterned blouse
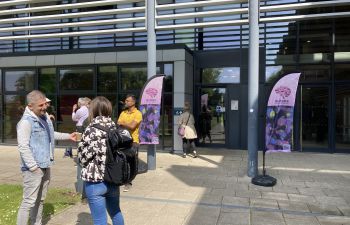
(92,150)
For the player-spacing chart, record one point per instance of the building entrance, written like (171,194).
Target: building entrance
(211,117)
(314,116)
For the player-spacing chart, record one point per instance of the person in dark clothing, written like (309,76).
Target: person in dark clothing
(205,123)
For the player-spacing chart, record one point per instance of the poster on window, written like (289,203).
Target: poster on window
(150,102)
(280,113)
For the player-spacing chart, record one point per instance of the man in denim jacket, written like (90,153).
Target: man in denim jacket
(36,143)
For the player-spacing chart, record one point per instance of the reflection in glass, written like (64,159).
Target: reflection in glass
(47,80)
(342,72)
(342,119)
(19,80)
(315,41)
(342,33)
(133,78)
(314,117)
(272,73)
(213,98)
(76,79)
(315,72)
(221,75)
(13,111)
(281,42)
(166,121)
(107,79)
(168,81)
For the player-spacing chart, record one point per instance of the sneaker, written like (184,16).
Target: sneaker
(127,187)
(194,154)
(184,155)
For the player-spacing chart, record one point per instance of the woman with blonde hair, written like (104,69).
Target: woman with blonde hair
(92,148)
(186,120)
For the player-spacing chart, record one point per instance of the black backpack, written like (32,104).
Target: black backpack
(121,158)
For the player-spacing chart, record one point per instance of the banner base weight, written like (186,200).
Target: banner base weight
(264,180)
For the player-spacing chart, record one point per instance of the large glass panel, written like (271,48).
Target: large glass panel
(342,119)
(47,80)
(213,98)
(221,75)
(133,78)
(281,42)
(342,72)
(314,115)
(315,72)
(1,119)
(272,73)
(19,80)
(77,79)
(315,41)
(166,125)
(14,106)
(342,33)
(107,79)
(168,81)
(64,114)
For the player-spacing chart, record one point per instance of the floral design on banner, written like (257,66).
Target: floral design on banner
(149,127)
(283,91)
(152,92)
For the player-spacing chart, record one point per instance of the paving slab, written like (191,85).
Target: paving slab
(213,189)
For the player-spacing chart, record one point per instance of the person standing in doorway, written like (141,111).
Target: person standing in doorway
(187,119)
(205,123)
(36,143)
(130,118)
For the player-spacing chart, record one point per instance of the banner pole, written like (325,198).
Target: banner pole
(151,67)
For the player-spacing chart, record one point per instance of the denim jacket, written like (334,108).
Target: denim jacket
(36,150)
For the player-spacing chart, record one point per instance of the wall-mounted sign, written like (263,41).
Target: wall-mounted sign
(178,111)
(234,104)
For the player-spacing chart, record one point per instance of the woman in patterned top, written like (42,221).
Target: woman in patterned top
(92,156)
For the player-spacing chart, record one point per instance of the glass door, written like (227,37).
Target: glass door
(342,123)
(314,132)
(211,116)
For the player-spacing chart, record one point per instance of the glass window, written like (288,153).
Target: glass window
(342,33)
(315,41)
(168,81)
(315,72)
(47,80)
(342,72)
(342,119)
(221,75)
(0,83)
(280,42)
(77,79)
(14,106)
(19,80)
(133,78)
(272,73)
(107,79)
(166,124)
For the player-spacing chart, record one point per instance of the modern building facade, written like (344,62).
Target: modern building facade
(76,48)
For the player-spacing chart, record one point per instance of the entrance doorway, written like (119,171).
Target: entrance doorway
(314,115)
(212,116)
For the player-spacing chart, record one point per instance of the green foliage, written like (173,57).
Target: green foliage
(11,197)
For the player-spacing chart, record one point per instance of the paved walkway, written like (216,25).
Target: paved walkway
(312,189)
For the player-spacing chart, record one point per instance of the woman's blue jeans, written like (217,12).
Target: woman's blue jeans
(102,196)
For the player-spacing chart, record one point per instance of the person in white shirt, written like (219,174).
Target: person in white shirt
(80,113)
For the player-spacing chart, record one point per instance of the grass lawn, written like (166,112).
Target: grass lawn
(11,196)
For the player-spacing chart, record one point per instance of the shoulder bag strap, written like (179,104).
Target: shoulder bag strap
(189,115)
